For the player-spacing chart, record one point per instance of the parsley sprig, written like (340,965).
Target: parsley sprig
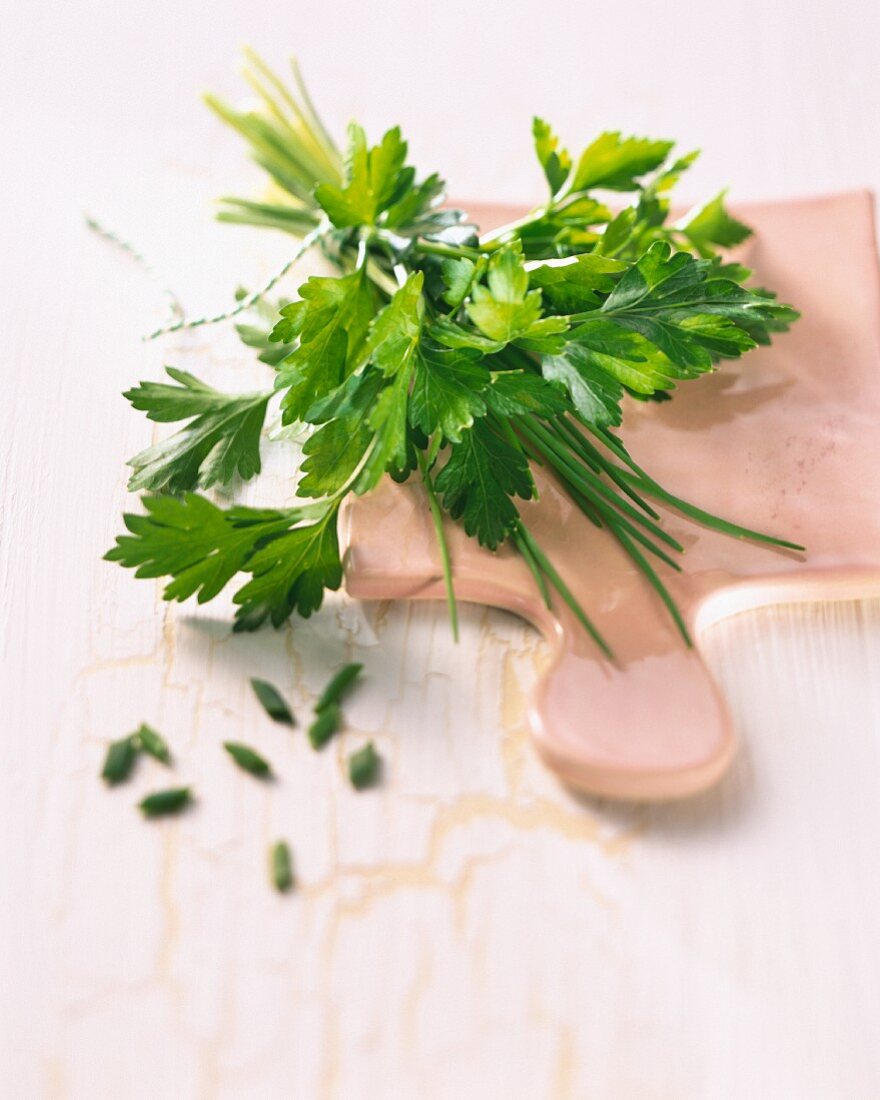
(443,355)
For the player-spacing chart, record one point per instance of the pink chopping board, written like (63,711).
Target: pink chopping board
(786,440)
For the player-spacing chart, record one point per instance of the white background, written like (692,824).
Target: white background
(470,930)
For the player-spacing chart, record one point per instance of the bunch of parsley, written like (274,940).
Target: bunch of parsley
(440,354)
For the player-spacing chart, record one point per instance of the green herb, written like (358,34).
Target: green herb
(119,760)
(247,758)
(338,686)
(437,353)
(363,766)
(326,724)
(162,803)
(153,743)
(281,866)
(221,441)
(273,703)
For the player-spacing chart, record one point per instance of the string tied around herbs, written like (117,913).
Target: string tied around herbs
(177,320)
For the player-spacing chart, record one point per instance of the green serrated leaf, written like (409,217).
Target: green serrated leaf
(395,332)
(577,283)
(518,393)
(669,298)
(331,332)
(222,442)
(446,393)
(334,452)
(374,180)
(593,391)
(196,543)
(481,475)
(617,163)
(505,308)
(458,277)
(290,574)
(555,160)
(711,224)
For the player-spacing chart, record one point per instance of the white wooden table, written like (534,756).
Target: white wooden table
(470,929)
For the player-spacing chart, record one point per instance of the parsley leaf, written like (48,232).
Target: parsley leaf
(694,318)
(616,163)
(290,574)
(375,178)
(481,475)
(192,540)
(394,334)
(334,452)
(202,547)
(221,442)
(331,322)
(447,388)
(712,224)
(518,392)
(506,307)
(594,392)
(555,161)
(576,283)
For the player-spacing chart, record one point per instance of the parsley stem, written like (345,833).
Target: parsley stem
(436,248)
(496,237)
(437,517)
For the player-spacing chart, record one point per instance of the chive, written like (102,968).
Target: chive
(119,760)
(272,702)
(151,742)
(325,725)
(363,767)
(337,687)
(280,866)
(161,803)
(247,759)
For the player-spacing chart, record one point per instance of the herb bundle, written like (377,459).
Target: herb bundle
(439,354)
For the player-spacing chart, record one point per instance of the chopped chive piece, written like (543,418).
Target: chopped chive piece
(337,687)
(280,866)
(246,758)
(325,725)
(272,702)
(166,802)
(147,739)
(119,760)
(363,767)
